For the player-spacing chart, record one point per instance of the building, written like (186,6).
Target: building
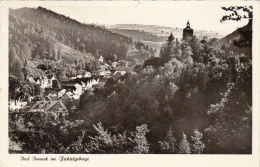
(52,97)
(31,80)
(56,107)
(101,59)
(102,82)
(187,32)
(65,98)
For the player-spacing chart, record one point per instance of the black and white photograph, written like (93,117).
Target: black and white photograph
(135,78)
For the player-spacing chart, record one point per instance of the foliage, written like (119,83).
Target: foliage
(40,133)
(235,13)
(197,146)
(168,145)
(245,39)
(105,142)
(177,93)
(184,145)
(138,138)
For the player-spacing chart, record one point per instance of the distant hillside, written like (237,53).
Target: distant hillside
(153,35)
(228,41)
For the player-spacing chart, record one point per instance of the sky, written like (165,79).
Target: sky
(202,15)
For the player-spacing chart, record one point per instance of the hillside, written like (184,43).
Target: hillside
(228,41)
(39,34)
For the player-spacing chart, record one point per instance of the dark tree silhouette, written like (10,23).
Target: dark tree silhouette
(246,33)
(235,15)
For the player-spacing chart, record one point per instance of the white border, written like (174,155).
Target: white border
(151,160)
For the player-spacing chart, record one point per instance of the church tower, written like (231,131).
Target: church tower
(187,32)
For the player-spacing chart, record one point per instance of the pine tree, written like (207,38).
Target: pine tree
(167,49)
(197,146)
(140,142)
(184,145)
(168,145)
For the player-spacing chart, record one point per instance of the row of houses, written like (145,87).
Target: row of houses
(61,97)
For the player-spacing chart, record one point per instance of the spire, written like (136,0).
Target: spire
(188,23)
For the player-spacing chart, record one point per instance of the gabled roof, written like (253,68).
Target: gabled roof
(64,96)
(53,97)
(46,105)
(31,80)
(101,84)
(43,105)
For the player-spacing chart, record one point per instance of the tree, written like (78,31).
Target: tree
(197,146)
(184,145)
(167,50)
(235,13)
(14,64)
(231,119)
(105,142)
(246,33)
(114,57)
(170,38)
(168,145)
(139,139)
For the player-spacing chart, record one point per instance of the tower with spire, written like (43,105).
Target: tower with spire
(187,32)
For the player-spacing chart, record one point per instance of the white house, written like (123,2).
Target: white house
(13,105)
(101,59)
(87,75)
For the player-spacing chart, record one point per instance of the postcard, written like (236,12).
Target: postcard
(129,83)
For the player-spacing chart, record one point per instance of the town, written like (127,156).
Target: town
(62,97)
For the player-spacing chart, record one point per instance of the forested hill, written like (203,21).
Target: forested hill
(239,41)
(71,32)
(37,34)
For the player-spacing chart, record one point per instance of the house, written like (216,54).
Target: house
(100,73)
(38,81)
(102,82)
(56,107)
(61,93)
(44,82)
(16,104)
(87,75)
(69,94)
(65,98)
(79,76)
(52,90)
(108,74)
(101,59)
(31,80)
(115,64)
(119,73)
(69,88)
(103,67)
(52,97)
